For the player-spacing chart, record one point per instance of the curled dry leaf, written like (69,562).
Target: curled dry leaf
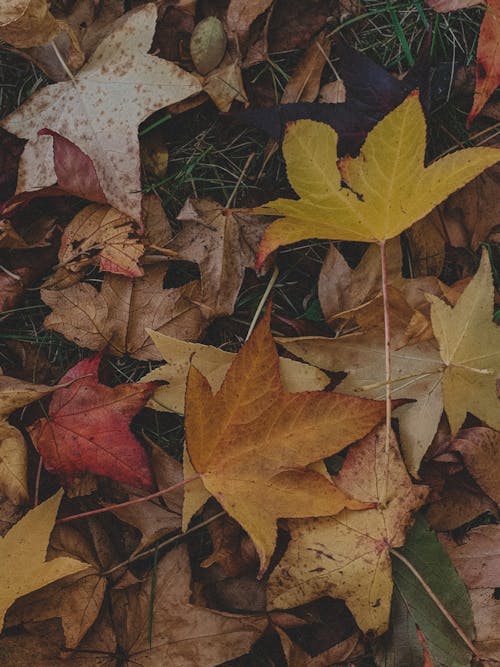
(23,552)
(214,364)
(225,84)
(88,428)
(15,394)
(183,634)
(223,244)
(101,235)
(348,556)
(118,88)
(116,318)
(251,442)
(379,203)
(304,84)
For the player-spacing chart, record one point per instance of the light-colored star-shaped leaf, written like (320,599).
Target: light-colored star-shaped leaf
(100,110)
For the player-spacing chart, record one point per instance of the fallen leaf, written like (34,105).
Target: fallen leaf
(225,84)
(15,394)
(415,609)
(78,602)
(214,364)
(470,348)
(457,506)
(228,550)
(427,244)
(141,84)
(391,200)
(486,610)
(476,558)
(101,235)
(304,84)
(251,442)
(415,372)
(116,318)
(23,551)
(347,650)
(418,372)
(479,448)
(87,428)
(208,44)
(240,16)
(182,634)
(223,244)
(25,23)
(348,556)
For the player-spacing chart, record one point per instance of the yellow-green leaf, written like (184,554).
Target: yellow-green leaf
(388,186)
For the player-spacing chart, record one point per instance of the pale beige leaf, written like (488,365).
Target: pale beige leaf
(118,88)
(242,13)
(13,464)
(480,449)
(477,556)
(23,551)
(208,44)
(225,84)
(348,556)
(214,364)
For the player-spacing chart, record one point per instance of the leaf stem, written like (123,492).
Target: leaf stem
(110,508)
(262,302)
(387,345)
(436,601)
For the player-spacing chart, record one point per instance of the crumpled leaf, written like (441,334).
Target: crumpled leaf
(214,364)
(223,244)
(415,612)
(183,634)
(101,235)
(348,556)
(87,428)
(116,318)
(25,23)
(480,448)
(23,551)
(225,84)
(395,189)
(251,442)
(469,344)
(13,452)
(120,86)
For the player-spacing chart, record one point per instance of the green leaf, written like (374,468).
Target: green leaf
(412,607)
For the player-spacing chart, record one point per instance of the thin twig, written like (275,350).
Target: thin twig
(110,508)
(436,601)
(159,546)
(387,345)
(240,178)
(263,300)
(63,62)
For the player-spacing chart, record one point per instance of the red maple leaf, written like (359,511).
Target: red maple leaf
(87,429)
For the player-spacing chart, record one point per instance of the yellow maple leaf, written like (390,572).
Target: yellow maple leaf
(23,551)
(252,441)
(469,344)
(388,186)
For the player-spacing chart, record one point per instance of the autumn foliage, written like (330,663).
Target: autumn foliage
(266,433)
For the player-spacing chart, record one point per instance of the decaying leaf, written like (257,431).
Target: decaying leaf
(251,442)
(87,428)
(101,235)
(223,244)
(116,90)
(117,317)
(15,394)
(479,448)
(182,634)
(25,23)
(23,551)
(389,188)
(348,556)
(225,84)
(213,363)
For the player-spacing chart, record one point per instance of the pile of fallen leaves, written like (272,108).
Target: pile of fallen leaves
(337,504)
